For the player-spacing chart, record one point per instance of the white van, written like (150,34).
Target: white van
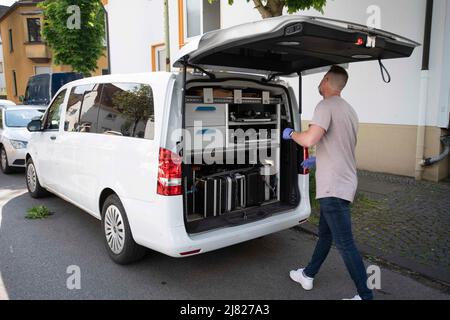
(192,161)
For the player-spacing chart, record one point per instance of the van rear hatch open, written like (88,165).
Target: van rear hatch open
(292,44)
(226,195)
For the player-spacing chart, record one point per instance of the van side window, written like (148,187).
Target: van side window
(54,112)
(74,105)
(127,109)
(89,108)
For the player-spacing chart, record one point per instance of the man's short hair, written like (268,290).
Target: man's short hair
(339,77)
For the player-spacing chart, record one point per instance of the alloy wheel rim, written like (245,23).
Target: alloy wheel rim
(31,178)
(114,229)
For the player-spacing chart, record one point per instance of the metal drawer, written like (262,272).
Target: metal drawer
(207,137)
(209,114)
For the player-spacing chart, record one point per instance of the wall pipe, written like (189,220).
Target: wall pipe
(423,99)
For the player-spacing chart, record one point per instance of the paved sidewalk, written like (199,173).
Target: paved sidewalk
(404,222)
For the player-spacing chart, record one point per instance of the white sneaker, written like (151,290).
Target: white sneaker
(357,297)
(299,277)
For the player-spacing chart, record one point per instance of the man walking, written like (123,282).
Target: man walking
(334,131)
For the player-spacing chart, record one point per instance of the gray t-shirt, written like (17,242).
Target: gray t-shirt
(336,174)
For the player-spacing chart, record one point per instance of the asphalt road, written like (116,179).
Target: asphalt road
(35,256)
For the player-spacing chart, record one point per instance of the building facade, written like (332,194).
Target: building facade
(400,123)
(3,9)
(24,52)
(2,74)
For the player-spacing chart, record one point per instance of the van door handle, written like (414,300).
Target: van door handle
(53,137)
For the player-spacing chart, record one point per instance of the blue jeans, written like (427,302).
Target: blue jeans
(335,224)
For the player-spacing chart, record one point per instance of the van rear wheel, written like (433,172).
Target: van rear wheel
(119,241)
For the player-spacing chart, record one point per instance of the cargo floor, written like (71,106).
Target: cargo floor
(236,218)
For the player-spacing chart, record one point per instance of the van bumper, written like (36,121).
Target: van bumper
(224,237)
(189,245)
(162,228)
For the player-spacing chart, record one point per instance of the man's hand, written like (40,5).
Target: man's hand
(287,134)
(309,163)
(306,139)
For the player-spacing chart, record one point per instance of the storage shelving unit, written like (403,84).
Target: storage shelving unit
(273,142)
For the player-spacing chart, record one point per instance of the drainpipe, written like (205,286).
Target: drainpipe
(108,49)
(423,98)
(430,161)
(166,34)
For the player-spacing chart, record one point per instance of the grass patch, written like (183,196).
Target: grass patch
(315,206)
(312,190)
(361,204)
(38,212)
(364,203)
(314,218)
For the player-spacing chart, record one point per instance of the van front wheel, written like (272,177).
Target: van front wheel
(119,241)
(34,187)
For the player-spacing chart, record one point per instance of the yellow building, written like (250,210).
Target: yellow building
(24,52)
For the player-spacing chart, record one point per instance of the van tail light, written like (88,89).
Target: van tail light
(359,41)
(169,173)
(189,253)
(305,157)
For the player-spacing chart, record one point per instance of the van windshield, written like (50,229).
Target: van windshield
(21,118)
(38,90)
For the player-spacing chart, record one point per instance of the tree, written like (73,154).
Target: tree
(274,8)
(75,31)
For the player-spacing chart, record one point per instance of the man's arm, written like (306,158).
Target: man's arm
(310,137)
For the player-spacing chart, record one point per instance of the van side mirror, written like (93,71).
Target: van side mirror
(35,125)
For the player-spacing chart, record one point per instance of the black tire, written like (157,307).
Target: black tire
(4,166)
(122,250)
(34,189)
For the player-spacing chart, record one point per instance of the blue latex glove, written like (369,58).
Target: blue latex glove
(309,163)
(287,134)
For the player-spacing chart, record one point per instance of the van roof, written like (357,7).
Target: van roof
(146,77)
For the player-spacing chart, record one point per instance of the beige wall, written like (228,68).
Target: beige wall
(15,60)
(18,61)
(392,149)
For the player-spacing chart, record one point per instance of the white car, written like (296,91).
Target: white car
(6,103)
(14,134)
(188,162)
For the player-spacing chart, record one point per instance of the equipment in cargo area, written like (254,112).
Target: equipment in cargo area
(230,191)
(232,121)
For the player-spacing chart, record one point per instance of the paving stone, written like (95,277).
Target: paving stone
(410,219)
